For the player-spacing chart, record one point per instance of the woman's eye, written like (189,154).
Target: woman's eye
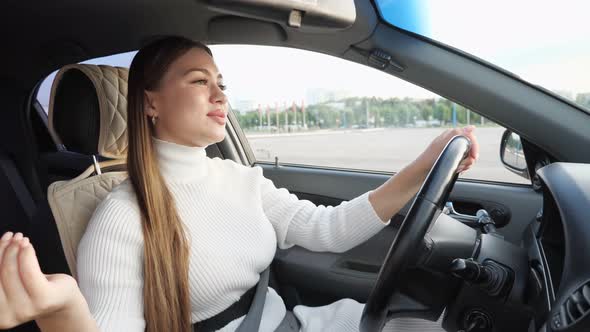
(205,82)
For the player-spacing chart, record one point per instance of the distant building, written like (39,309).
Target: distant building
(583,99)
(244,106)
(565,94)
(427,123)
(321,95)
(337,105)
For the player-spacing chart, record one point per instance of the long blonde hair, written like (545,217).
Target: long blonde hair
(166,247)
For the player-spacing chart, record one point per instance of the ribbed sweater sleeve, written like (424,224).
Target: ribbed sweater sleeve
(110,266)
(318,228)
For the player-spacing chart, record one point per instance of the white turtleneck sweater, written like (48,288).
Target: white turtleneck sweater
(234,218)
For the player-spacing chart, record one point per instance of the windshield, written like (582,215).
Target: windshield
(544,42)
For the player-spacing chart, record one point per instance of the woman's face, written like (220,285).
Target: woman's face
(189,103)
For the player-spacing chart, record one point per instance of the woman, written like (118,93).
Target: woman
(186,236)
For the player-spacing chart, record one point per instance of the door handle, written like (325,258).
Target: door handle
(449,209)
(481,218)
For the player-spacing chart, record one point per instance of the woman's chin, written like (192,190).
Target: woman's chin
(218,137)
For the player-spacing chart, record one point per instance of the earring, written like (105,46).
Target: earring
(154,120)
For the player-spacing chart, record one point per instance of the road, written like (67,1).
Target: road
(376,149)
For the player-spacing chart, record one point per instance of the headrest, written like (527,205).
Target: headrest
(88,110)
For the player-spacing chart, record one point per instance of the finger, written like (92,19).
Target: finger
(475,148)
(473,142)
(469,129)
(4,242)
(13,287)
(6,236)
(463,169)
(24,242)
(467,162)
(454,132)
(474,151)
(33,279)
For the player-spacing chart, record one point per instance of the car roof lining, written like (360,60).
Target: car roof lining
(51,36)
(61,38)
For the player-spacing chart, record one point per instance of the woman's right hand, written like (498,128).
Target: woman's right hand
(26,293)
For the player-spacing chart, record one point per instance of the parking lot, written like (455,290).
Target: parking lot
(382,149)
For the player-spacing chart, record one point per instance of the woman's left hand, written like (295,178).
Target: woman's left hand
(429,156)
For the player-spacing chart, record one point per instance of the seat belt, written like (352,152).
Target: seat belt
(252,317)
(252,320)
(17,183)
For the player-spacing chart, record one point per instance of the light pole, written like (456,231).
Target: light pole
(277,115)
(367,111)
(259,117)
(454,115)
(286,120)
(303,112)
(268,117)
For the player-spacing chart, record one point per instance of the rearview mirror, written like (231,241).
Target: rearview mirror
(304,14)
(512,154)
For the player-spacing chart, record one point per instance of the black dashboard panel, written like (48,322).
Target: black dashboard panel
(551,238)
(565,243)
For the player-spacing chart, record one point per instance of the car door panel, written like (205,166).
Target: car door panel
(314,278)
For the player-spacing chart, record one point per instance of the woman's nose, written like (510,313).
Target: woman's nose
(218,96)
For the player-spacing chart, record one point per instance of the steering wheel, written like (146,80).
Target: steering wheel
(426,208)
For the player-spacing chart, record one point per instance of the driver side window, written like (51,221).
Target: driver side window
(312,109)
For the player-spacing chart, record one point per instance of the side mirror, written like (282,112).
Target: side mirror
(512,155)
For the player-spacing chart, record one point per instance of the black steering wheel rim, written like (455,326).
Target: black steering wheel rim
(426,207)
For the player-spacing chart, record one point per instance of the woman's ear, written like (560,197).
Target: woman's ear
(149,104)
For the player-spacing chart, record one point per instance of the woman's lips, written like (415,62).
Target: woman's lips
(217,116)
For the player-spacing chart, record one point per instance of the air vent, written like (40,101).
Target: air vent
(575,308)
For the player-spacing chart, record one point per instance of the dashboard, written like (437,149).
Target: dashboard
(550,236)
(559,250)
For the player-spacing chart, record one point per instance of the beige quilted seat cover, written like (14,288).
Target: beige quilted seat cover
(111,89)
(73,202)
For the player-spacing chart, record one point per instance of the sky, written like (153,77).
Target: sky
(544,42)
